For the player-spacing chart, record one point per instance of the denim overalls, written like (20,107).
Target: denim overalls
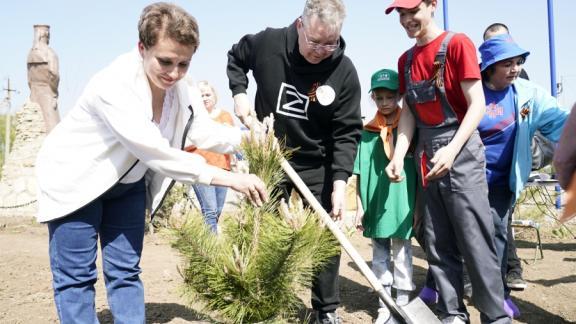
(457,220)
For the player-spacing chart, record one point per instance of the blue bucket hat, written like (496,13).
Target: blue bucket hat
(499,48)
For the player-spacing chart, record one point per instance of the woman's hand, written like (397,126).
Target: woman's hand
(251,186)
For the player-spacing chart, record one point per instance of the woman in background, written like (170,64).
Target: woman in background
(212,198)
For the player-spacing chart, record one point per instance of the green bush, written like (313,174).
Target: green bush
(3,137)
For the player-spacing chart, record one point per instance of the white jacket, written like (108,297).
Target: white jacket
(110,128)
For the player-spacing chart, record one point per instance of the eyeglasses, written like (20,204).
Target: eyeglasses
(317,46)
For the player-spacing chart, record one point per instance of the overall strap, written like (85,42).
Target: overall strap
(408,67)
(408,79)
(440,62)
(450,117)
(436,82)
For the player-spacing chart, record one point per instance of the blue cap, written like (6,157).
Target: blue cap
(499,48)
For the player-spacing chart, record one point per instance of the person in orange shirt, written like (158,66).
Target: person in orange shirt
(212,198)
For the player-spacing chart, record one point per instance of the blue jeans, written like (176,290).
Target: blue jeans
(501,206)
(117,218)
(211,200)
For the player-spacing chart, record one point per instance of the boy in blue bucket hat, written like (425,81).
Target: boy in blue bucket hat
(515,109)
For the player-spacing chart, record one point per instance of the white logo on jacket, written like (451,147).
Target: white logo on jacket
(296,103)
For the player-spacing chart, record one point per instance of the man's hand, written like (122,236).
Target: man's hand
(394,170)
(338,200)
(243,109)
(358,220)
(442,161)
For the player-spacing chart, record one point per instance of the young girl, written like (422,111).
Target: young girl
(385,209)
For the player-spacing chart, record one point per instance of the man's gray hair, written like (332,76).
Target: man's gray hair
(329,12)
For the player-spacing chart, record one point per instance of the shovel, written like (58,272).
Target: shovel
(414,312)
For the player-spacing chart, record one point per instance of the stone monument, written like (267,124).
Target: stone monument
(43,76)
(36,118)
(18,185)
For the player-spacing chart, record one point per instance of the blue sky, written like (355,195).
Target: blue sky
(87,35)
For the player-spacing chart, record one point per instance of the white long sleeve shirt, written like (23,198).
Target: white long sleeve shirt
(110,128)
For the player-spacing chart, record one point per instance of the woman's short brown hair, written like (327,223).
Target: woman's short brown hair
(163,19)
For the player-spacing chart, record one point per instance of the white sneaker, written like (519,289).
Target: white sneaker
(453,320)
(402,297)
(383,315)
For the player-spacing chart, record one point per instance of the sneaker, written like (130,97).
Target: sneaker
(452,320)
(428,295)
(328,318)
(511,309)
(515,281)
(402,297)
(467,287)
(383,315)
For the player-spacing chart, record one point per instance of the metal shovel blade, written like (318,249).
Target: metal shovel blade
(415,312)
(418,312)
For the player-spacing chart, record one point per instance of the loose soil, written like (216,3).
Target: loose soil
(26,293)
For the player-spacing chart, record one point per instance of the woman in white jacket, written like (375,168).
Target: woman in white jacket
(117,153)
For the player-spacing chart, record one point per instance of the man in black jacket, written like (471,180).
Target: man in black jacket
(312,88)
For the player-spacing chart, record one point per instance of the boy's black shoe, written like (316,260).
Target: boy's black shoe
(515,281)
(328,318)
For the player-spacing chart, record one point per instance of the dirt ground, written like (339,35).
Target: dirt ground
(26,294)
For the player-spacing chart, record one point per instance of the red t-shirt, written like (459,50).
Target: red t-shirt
(461,64)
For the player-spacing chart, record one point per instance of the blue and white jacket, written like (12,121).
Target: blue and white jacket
(536,109)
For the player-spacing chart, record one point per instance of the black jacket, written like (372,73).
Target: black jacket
(323,135)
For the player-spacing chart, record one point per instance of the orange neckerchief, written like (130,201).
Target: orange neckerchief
(379,125)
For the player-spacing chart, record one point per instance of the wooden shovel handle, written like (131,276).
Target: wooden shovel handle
(348,247)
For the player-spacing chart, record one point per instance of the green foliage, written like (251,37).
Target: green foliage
(3,136)
(536,203)
(562,232)
(253,270)
(178,194)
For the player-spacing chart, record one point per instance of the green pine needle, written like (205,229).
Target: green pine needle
(253,270)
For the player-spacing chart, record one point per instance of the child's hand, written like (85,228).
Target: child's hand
(442,160)
(394,170)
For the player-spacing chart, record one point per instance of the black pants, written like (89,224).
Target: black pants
(513,261)
(325,287)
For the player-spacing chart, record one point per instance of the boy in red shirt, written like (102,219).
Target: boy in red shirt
(443,99)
